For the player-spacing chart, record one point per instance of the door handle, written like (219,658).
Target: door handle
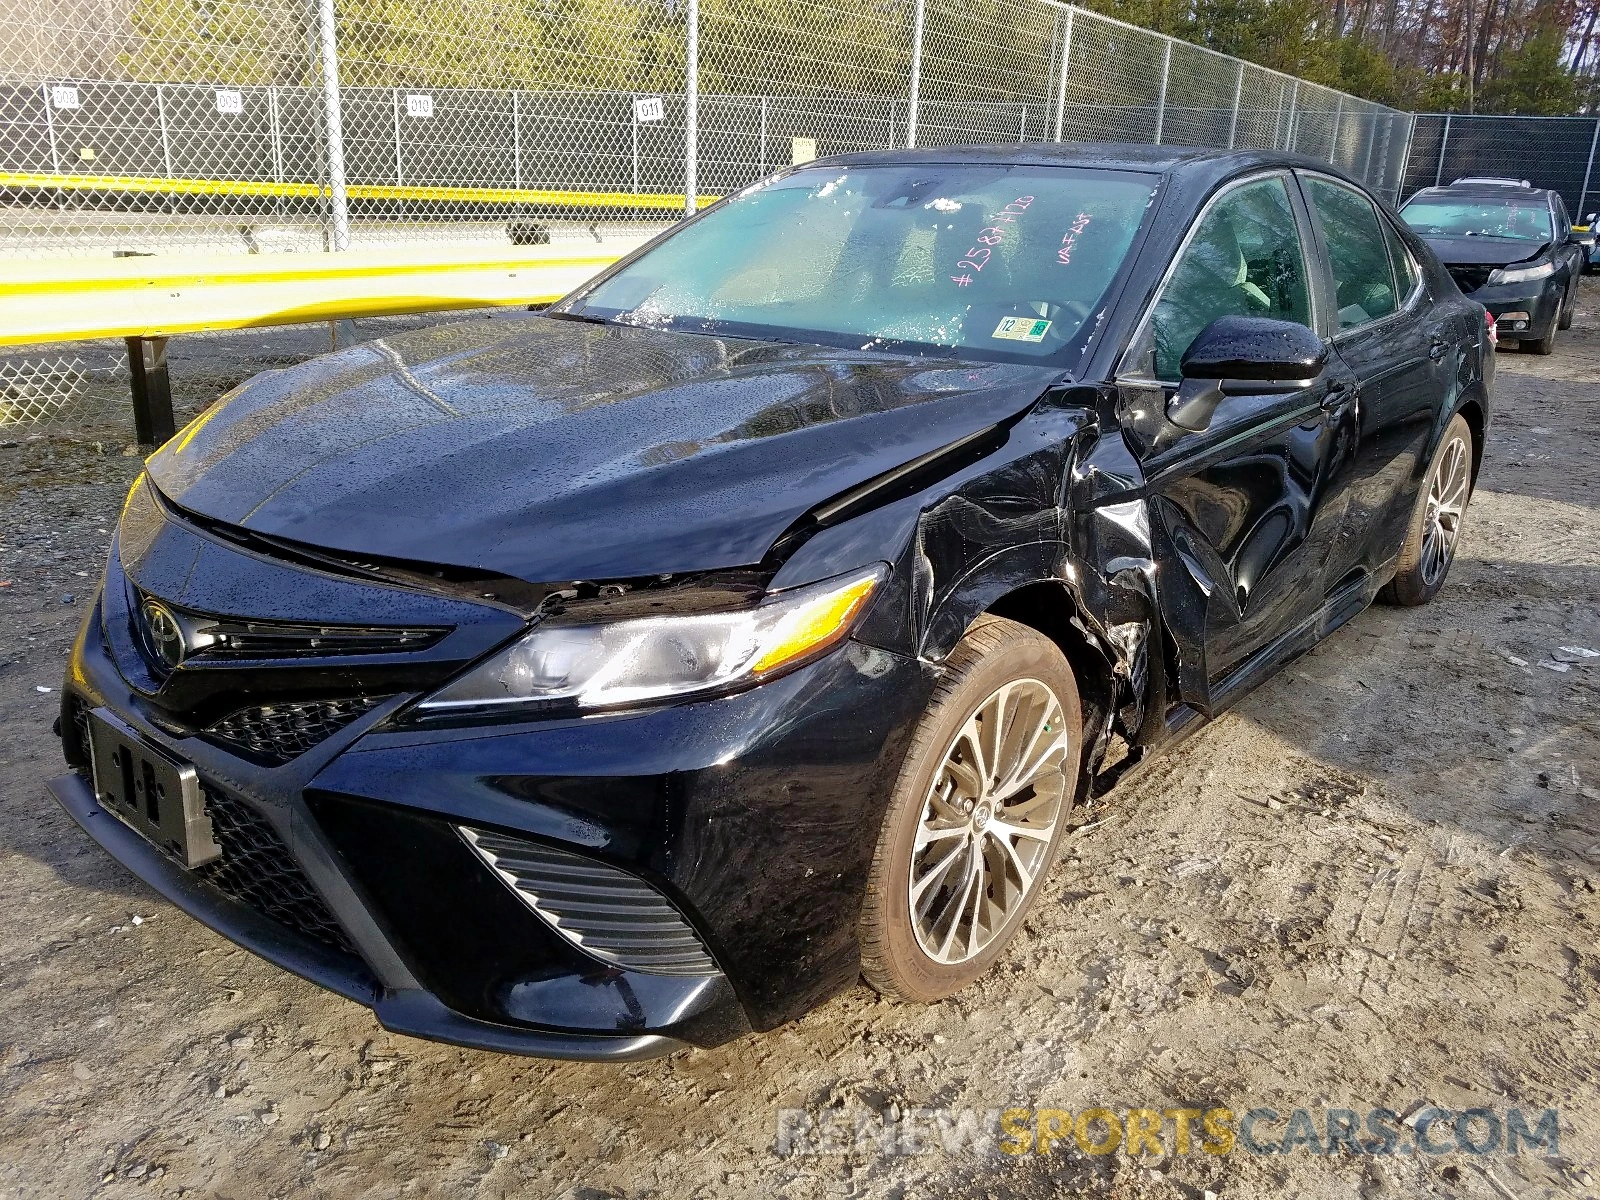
(1337,396)
(1437,349)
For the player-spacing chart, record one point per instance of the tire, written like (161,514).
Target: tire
(1424,559)
(1544,345)
(999,667)
(1569,305)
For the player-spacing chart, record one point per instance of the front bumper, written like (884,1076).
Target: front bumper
(1541,301)
(753,815)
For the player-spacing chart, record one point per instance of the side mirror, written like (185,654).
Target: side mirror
(1243,356)
(1582,237)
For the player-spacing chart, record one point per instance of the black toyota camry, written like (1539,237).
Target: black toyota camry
(640,673)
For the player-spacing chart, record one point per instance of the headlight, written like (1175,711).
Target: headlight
(1522,274)
(633,660)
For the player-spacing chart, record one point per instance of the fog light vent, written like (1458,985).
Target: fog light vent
(605,912)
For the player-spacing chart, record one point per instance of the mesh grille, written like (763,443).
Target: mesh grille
(605,912)
(257,870)
(1470,279)
(278,732)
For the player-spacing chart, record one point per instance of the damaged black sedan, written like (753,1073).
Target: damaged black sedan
(641,673)
(1512,248)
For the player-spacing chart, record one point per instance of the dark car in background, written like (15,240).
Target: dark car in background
(641,673)
(1509,246)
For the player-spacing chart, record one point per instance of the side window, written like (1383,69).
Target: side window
(1245,260)
(1362,283)
(1405,267)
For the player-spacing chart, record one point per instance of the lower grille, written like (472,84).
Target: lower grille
(1470,278)
(610,914)
(257,870)
(275,733)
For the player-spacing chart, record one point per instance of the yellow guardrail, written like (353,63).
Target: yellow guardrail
(157,185)
(159,296)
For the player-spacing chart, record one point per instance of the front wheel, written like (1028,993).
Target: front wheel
(1435,527)
(976,815)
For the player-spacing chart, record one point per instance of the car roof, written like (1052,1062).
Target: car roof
(1111,156)
(1461,190)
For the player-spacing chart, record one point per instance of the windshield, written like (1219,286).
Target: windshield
(1002,261)
(1514,218)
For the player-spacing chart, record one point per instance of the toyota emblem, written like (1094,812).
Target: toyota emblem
(165,633)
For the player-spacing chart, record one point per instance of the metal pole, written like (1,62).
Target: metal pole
(635,161)
(399,164)
(166,138)
(516,137)
(691,130)
(1061,81)
(50,127)
(1294,114)
(1022,134)
(1161,98)
(912,113)
(1338,115)
(333,120)
(1588,171)
(275,121)
(1238,93)
(764,134)
(1405,153)
(1444,140)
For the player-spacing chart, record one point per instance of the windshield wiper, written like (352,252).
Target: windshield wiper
(567,315)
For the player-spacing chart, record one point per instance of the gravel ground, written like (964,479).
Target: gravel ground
(1372,884)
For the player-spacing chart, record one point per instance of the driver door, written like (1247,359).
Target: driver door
(1252,503)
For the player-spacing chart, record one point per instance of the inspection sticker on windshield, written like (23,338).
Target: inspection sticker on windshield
(1022,329)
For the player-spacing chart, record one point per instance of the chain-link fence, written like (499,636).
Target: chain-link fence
(1549,152)
(255,126)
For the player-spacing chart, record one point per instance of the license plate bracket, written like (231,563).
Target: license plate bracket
(151,790)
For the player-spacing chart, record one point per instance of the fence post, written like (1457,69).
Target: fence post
(50,126)
(333,119)
(1022,134)
(399,163)
(633,116)
(1238,93)
(1405,152)
(1338,116)
(1444,140)
(1587,172)
(912,112)
(275,123)
(1061,81)
(1294,113)
(516,138)
(691,124)
(763,170)
(166,137)
(1161,98)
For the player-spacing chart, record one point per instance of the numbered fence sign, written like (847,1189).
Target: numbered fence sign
(648,108)
(420,106)
(63,96)
(802,150)
(229,101)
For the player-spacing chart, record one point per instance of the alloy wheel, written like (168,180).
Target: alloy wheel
(988,821)
(1447,500)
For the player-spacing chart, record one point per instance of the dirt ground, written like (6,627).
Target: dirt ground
(1373,884)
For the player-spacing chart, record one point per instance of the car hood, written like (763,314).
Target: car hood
(548,450)
(1483,251)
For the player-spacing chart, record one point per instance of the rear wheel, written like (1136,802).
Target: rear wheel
(976,816)
(1435,528)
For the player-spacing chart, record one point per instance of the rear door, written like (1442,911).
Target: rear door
(1403,351)
(1251,503)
